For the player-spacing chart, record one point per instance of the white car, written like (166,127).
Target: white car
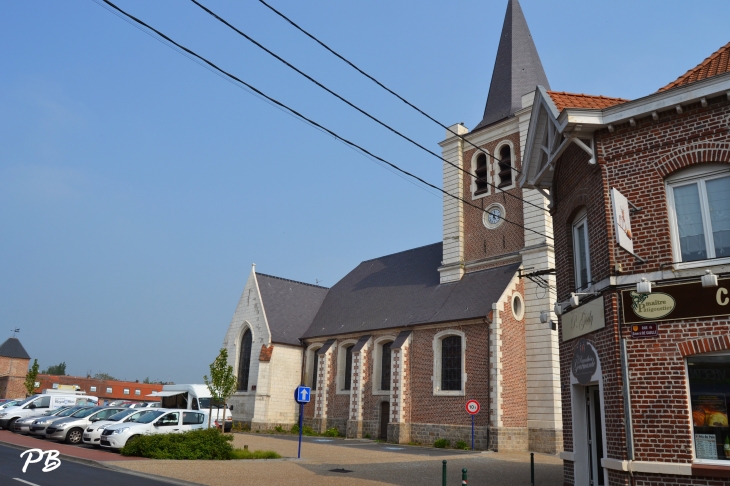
(157,421)
(22,426)
(71,429)
(92,434)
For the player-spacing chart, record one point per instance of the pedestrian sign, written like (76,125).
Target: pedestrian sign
(472,407)
(302,394)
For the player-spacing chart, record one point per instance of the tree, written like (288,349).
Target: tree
(147,380)
(104,376)
(222,383)
(59,369)
(30,378)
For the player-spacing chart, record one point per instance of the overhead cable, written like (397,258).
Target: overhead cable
(308,120)
(352,105)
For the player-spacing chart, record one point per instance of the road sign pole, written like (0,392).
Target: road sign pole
(472,432)
(301,423)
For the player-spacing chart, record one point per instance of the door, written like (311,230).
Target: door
(168,424)
(595,435)
(384,414)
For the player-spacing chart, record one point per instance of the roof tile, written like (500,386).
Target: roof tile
(717,63)
(565,100)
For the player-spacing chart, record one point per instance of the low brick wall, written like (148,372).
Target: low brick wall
(428,433)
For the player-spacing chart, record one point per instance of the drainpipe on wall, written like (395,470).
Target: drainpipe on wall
(626,393)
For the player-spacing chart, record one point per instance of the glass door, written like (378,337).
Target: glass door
(595,435)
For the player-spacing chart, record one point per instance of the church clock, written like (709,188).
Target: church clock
(493,216)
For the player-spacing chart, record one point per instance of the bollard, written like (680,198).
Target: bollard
(443,475)
(532,469)
(463,477)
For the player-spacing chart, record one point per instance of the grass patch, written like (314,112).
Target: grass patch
(246,454)
(441,443)
(196,444)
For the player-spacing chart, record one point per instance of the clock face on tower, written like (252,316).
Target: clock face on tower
(493,216)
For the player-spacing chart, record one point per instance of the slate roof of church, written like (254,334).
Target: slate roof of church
(403,289)
(289,305)
(564,100)
(517,68)
(717,63)
(13,349)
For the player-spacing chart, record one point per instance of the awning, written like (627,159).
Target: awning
(165,394)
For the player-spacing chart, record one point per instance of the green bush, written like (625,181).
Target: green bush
(367,436)
(333,432)
(246,454)
(196,444)
(279,428)
(295,429)
(462,445)
(442,443)
(308,430)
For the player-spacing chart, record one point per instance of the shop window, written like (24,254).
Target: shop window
(481,174)
(581,252)
(244,360)
(709,387)
(699,205)
(505,167)
(449,359)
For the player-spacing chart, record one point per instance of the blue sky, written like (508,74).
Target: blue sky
(136,187)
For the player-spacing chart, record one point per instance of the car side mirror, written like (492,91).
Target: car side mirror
(156,424)
(31,406)
(231,408)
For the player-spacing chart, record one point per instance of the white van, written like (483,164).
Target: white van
(194,397)
(36,405)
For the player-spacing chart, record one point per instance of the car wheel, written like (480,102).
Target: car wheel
(74,436)
(131,439)
(11,424)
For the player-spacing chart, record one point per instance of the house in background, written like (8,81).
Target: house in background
(106,390)
(14,362)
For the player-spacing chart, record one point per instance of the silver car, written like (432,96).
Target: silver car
(39,424)
(22,426)
(71,428)
(92,434)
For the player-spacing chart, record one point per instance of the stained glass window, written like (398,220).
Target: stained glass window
(451,363)
(244,363)
(385,367)
(315,369)
(348,368)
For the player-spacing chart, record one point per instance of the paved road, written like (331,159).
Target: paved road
(69,473)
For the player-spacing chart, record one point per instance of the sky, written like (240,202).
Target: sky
(137,187)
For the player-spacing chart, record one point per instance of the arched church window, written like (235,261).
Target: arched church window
(505,167)
(451,363)
(315,369)
(348,368)
(244,362)
(385,367)
(480,173)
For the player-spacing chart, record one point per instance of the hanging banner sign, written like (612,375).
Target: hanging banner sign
(622,221)
(679,301)
(585,362)
(583,319)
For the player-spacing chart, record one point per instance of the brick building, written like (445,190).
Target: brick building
(640,199)
(106,390)
(396,348)
(14,360)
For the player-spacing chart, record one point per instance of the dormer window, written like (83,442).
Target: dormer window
(480,174)
(505,167)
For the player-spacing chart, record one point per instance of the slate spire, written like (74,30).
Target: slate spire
(517,69)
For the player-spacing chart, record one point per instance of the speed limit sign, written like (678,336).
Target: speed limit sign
(472,407)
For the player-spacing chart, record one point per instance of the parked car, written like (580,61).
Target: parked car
(22,426)
(159,421)
(38,426)
(145,405)
(10,403)
(36,404)
(194,397)
(71,428)
(92,434)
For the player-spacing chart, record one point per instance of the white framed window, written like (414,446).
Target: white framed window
(125,391)
(503,164)
(382,365)
(480,176)
(109,389)
(137,392)
(581,251)
(699,214)
(709,392)
(518,306)
(312,362)
(93,388)
(344,366)
(449,363)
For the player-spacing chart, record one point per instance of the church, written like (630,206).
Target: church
(396,348)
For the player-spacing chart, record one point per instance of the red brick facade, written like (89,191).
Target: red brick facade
(119,390)
(12,377)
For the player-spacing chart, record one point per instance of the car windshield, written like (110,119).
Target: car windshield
(138,415)
(68,412)
(149,417)
(23,402)
(120,415)
(205,403)
(84,412)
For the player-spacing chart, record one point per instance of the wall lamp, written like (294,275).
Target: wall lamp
(545,318)
(709,279)
(643,287)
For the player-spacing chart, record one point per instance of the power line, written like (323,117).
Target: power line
(308,120)
(352,105)
(294,24)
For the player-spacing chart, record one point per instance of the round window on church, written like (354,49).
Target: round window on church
(493,216)
(518,306)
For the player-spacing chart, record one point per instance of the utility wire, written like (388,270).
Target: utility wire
(379,83)
(308,120)
(352,105)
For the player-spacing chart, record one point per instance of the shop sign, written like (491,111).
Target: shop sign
(584,319)
(645,330)
(679,301)
(622,221)
(585,362)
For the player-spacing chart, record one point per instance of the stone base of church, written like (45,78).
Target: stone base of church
(321,425)
(399,433)
(548,441)
(427,434)
(271,426)
(508,439)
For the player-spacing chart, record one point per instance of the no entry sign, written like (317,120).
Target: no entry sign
(472,407)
